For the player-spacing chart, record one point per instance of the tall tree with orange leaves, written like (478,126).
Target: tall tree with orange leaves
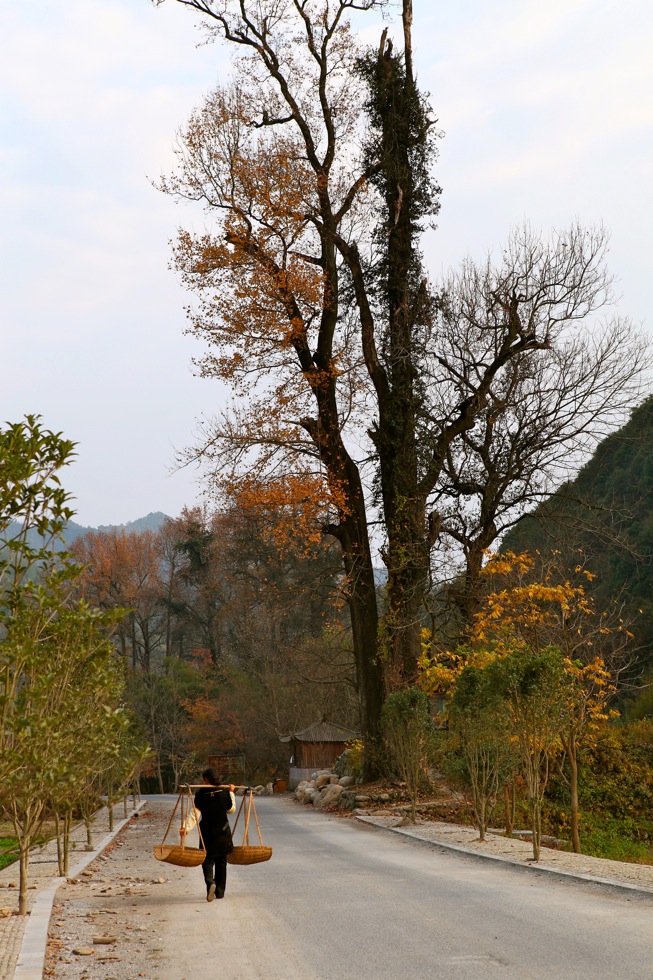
(352,377)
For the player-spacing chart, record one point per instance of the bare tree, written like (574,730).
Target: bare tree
(547,409)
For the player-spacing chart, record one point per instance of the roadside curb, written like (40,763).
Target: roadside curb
(529,868)
(31,959)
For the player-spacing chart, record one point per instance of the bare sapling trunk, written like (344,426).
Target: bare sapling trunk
(536,825)
(482,819)
(26,825)
(509,799)
(58,831)
(67,824)
(89,832)
(572,753)
(23,875)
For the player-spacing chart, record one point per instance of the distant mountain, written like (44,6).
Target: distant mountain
(151,522)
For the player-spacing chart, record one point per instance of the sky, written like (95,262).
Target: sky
(547,115)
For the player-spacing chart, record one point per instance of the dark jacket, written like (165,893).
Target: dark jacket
(214,804)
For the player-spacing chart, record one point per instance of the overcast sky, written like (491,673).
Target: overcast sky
(547,110)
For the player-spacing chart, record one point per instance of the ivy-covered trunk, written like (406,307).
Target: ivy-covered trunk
(402,153)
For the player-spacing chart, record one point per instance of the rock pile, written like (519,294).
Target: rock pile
(325,789)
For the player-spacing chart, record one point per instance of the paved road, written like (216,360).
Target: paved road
(340,901)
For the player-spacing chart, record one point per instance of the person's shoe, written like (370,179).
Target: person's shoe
(219,894)
(210,895)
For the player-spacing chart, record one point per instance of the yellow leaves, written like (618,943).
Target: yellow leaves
(509,561)
(296,504)
(437,679)
(438,675)
(536,606)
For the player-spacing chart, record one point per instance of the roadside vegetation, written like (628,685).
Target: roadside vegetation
(64,733)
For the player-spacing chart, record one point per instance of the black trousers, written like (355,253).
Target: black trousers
(214,869)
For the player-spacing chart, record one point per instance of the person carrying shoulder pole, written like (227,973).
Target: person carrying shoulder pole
(213,801)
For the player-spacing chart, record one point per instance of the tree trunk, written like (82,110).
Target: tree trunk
(481,818)
(23,871)
(509,803)
(159,775)
(536,825)
(572,753)
(132,623)
(57,828)
(407,562)
(402,140)
(365,625)
(66,841)
(145,633)
(110,809)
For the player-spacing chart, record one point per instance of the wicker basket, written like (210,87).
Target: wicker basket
(183,857)
(249,854)
(180,854)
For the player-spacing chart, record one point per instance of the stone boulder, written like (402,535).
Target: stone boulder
(329,796)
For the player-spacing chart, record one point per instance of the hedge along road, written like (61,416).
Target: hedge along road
(339,901)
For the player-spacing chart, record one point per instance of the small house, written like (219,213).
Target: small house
(316,747)
(230,765)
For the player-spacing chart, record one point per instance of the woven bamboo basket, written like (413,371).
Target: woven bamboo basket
(247,853)
(183,857)
(179,854)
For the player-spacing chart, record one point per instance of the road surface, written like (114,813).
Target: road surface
(342,901)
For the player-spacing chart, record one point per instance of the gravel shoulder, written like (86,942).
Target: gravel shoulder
(105,924)
(132,916)
(43,872)
(521,852)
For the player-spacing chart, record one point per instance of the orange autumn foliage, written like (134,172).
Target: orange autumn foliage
(293,508)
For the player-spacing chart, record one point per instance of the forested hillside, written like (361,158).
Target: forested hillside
(606,513)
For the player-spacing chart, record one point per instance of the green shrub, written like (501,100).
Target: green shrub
(615,794)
